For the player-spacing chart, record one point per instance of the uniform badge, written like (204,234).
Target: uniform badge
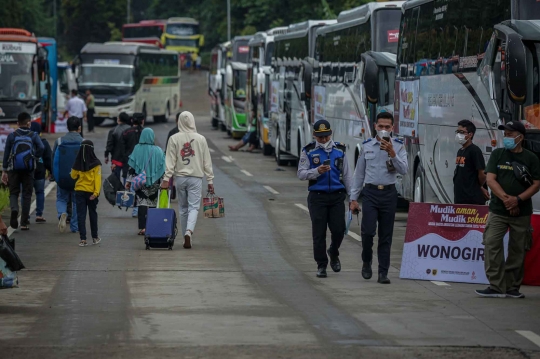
(316,159)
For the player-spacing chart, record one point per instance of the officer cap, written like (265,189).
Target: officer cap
(322,128)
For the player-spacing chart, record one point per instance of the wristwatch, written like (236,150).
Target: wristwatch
(519,199)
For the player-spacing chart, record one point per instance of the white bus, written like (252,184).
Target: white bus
(261,48)
(453,64)
(236,78)
(130,77)
(289,114)
(364,38)
(216,83)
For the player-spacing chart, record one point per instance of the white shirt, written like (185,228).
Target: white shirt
(76,107)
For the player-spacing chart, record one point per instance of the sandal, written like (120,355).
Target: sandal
(142,232)
(82,244)
(25,228)
(40,220)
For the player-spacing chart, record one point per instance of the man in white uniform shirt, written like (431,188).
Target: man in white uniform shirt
(76,107)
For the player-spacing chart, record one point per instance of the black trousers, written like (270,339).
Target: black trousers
(327,210)
(141,216)
(15,180)
(84,204)
(378,207)
(90,117)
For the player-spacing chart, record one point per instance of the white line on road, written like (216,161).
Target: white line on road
(301,206)
(271,190)
(211,150)
(533,337)
(33,205)
(442,284)
(355,236)
(246,173)
(227,158)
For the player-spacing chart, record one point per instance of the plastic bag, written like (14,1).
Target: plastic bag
(8,255)
(164,200)
(8,278)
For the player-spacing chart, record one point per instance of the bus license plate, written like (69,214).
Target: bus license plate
(103,114)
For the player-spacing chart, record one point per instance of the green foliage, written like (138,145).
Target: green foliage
(83,21)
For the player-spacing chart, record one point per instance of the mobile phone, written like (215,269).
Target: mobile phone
(387,139)
(326,163)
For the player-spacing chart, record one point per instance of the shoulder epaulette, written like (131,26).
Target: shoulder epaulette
(340,146)
(398,140)
(309,146)
(366,141)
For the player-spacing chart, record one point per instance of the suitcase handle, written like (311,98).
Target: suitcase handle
(169,198)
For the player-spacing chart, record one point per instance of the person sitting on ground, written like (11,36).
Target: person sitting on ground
(188,161)
(63,196)
(18,172)
(87,172)
(250,137)
(150,159)
(44,164)
(114,144)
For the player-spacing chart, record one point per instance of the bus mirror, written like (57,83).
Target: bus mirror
(261,83)
(516,69)
(371,79)
(229,76)
(306,78)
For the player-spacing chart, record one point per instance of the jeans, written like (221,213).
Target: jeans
(39,188)
(62,199)
(84,203)
(188,190)
(90,119)
(18,180)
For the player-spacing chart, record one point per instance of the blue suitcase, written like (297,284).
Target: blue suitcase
(161,227)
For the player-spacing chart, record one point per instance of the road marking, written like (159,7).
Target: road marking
(533,337)
(246,173)
(355,236)
(227,158)
(33,205)
(442,284)
(271,190)
(301,206)
(210,149)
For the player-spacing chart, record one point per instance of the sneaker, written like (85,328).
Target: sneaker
(489,293)
(14,220)
(82,244)
(62,224)
(187,239)
(514,293)
(96,240)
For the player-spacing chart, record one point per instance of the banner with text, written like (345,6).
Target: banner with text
(408,107)
(319,93)
(443,242)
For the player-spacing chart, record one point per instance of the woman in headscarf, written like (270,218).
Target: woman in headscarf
(87,172)
(150,159)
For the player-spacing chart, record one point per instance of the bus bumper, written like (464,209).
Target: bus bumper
(114,111)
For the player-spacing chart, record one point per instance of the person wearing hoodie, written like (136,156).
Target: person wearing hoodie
(114,145)
(17,143)
(188,161)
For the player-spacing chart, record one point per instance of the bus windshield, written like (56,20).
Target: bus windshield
(532,108)
(387,30)
(529,9)
(182,29)
(140,32)
(240,81)
(16,77)
(106,75)
(181,42)
(269,53)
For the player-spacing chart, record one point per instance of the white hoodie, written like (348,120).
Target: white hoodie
(187,153)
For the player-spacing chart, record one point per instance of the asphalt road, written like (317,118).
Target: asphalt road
(246,289)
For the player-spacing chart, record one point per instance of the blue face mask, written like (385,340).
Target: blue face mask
(509,143)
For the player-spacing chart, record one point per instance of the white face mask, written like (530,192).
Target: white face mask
(460,138)
(327,145)
(383,133)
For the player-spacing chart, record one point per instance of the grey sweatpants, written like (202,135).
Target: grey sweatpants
(189,194)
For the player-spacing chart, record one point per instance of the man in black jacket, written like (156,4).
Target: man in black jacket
(114,145)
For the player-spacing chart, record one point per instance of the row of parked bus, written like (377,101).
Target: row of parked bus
(431,63)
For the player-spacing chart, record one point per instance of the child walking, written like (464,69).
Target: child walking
(87,172)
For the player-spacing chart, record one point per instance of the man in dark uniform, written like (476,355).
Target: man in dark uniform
(382,159)
(324,164)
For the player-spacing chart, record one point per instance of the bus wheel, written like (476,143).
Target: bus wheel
(278,152)
(419,186)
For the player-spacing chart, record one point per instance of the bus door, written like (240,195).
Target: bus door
(289,88)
